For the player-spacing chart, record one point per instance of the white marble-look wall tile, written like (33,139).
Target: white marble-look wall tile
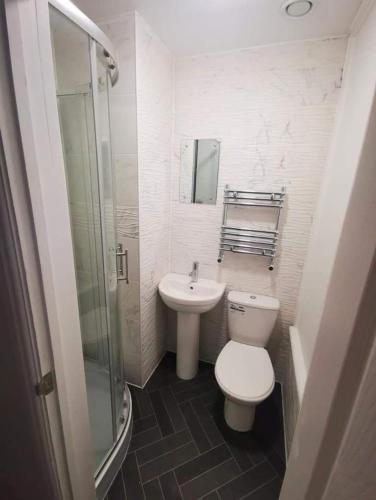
(123,110)
(273,110)
(154,68)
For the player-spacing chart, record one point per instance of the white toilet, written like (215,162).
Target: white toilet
(243,369)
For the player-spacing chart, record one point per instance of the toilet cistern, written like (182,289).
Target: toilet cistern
(194,273)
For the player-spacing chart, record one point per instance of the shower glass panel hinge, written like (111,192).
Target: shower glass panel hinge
(46,384)
(122,270)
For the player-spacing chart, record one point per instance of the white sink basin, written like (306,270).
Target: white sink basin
(180,294)
(189,299)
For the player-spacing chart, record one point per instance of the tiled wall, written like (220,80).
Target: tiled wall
(154,67)
(142,136)
(273,109)
(124,145)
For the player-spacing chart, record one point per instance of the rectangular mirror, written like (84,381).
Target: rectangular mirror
(199,164)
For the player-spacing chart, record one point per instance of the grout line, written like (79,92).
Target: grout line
(190,432)
(172,468)
(138,465)
(176,403)
(202,428)
(155,424)
(211,468)
(122,479)
(164,454)
(146,395)
(238,476)
(154,409)
(160,487)
(168,413)
(145,445)
(142,487)
(158,441)
(210,492)
(232,455)
(258,487)
(140,432)
(181,494)
(193,397)
(195,411)
(145,417)
(272,466)
(208,470)
(139,475)
(248,454)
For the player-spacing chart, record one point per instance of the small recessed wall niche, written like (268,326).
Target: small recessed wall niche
(199,165)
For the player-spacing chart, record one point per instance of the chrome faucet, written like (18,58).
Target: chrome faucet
(194,273)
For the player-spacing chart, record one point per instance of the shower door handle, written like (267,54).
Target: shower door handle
(121,270)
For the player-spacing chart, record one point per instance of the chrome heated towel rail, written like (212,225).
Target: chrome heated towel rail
(262,242)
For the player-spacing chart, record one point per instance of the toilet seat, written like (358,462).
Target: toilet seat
(245,373)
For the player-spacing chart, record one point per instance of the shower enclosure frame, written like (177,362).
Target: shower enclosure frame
(35,94)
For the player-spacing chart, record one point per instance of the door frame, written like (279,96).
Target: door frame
(33,454)
(28,459)
(35,95)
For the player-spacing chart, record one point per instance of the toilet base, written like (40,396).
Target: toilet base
(239,417)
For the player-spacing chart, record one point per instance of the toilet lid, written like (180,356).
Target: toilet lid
(244,372)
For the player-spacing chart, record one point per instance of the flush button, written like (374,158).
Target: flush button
(235,307)
(253,297)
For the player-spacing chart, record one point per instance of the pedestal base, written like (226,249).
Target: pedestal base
(188,333)
(239,417)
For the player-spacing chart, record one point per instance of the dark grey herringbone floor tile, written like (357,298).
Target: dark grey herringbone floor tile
(267,491)
(153,490)
(169,443)
(182,448)
(170,486)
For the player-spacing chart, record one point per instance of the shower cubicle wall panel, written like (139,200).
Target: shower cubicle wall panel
(123,112)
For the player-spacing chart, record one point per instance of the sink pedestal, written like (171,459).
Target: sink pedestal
(188,336)
(189,299)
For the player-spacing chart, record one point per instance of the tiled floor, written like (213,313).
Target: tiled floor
(182,448)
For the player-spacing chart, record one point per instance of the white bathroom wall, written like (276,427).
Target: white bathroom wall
(290,398)
(273,110)
(121,31)
(353,116)
(154,68)
(354,469)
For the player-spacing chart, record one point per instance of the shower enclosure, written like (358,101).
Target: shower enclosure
(85,72)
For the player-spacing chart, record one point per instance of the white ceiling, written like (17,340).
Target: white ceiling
(196,26)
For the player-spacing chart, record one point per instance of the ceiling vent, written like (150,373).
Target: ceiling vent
(297,8)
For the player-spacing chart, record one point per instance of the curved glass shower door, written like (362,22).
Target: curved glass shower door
(101,93)
(82,83)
